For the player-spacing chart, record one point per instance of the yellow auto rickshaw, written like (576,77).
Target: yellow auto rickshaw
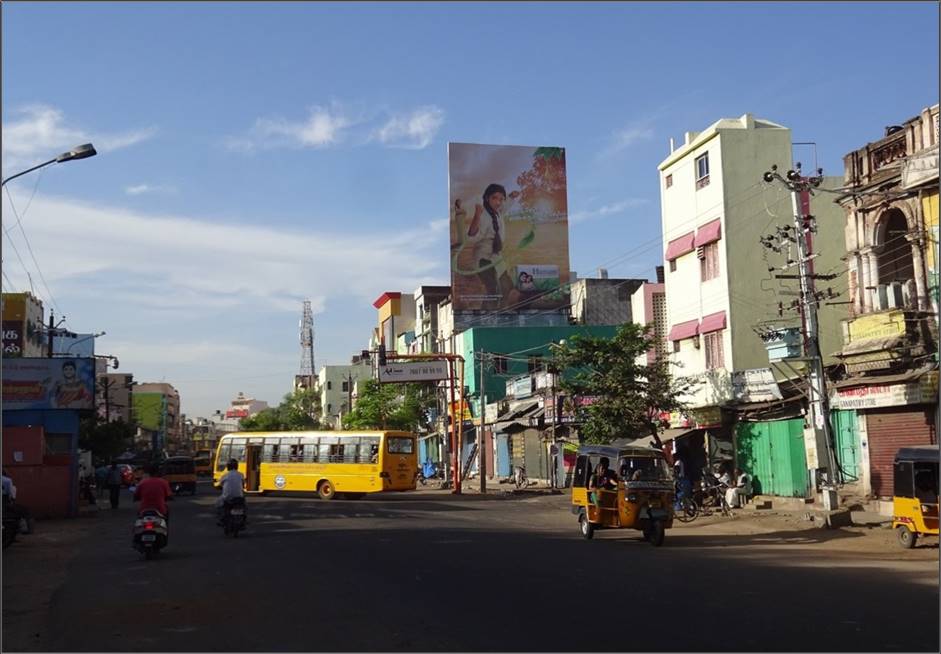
(915,504)
(180,473)
(643,499)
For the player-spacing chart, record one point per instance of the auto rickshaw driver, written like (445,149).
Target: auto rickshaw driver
(603,479)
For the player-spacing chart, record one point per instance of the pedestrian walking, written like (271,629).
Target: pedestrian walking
(114,484)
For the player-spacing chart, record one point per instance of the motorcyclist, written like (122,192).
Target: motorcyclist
(232,483)
(152,492)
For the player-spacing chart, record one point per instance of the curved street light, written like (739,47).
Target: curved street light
(78,152)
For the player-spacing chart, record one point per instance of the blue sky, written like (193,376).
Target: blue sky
(252,155)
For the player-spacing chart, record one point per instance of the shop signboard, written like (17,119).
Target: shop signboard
(521,387)
(755,385)
(413,371)
(925,390)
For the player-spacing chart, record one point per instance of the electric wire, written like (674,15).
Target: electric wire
(29,247)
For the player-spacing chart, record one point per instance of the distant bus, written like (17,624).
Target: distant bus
(325,462)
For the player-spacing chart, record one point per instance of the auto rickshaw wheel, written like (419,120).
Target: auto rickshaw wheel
(587,529)
(654,533)
(906,536)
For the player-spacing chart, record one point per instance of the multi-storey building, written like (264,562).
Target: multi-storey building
(649,307)
(337,385)
(157,409)
(427,299)
(722,287)
(888,396)
(601,300)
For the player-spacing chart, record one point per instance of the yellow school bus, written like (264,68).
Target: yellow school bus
(325,462)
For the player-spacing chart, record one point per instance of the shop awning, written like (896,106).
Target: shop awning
(901,378)
(683,330)
(709,233)
(680,246)
(673,434)
(871,345)
(713,322)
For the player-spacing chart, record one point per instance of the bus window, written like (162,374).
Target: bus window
(310,449)
(269,452)
(224,450)
(400,445)
(368,449)
(351,449)
(336,453)
(323,452)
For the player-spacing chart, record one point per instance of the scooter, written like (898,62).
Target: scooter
(151,533)
(233,516)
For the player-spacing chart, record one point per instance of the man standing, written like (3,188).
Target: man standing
(114,484)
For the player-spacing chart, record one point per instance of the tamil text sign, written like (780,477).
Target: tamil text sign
(509,227)
(413,371)
(37,384)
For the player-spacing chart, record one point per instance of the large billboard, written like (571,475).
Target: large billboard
(149,410)
(509,227)
(48,384)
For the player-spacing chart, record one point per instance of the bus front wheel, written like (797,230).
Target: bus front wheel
(325,490)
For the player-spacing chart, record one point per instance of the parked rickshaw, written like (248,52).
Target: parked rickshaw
(643,499)
(915,504)
(180,473)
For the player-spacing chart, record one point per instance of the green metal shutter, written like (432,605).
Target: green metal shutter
(845,427)
(773,454)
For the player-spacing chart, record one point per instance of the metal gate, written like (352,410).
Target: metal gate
(503,455)
(772,453)
(846,431)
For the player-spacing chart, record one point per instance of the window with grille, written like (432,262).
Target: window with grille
(346,386)
(534,364)
(499,364)
(672,265)
(714,355)
(708,261)
(702,171)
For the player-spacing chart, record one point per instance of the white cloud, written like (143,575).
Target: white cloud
(37,132)
(415,130)
(331,126)
(140,189)
(607,210)
(627,137)
(193,299)
(323,127)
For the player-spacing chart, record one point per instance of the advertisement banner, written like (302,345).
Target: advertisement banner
(38,384)
(925,390)
(149,410)
(755,385)
(509,227)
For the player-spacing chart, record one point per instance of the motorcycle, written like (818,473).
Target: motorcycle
(233,516)
(16,520)
(151,533)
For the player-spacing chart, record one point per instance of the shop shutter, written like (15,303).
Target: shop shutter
(889,429)
(773,454)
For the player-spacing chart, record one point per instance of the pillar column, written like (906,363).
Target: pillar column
(921,288)
(865,283)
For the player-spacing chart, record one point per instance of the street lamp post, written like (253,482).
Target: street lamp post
(78,152)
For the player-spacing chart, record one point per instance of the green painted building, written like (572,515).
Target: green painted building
(524,350)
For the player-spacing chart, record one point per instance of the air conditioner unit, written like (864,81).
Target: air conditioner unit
(894,293)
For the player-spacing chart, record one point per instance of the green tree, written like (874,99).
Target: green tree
(390,406)
(298,411)
(105,440)
(629,393)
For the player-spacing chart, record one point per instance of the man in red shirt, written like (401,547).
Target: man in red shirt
(153,491)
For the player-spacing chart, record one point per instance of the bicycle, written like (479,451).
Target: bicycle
(713,497)
(685,508)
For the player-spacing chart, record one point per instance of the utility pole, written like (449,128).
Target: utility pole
(481,441)
(52,328)
(804,224)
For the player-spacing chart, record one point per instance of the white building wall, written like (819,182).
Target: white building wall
(739,151)
(334,401)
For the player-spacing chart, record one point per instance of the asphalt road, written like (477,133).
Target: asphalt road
(427,572)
